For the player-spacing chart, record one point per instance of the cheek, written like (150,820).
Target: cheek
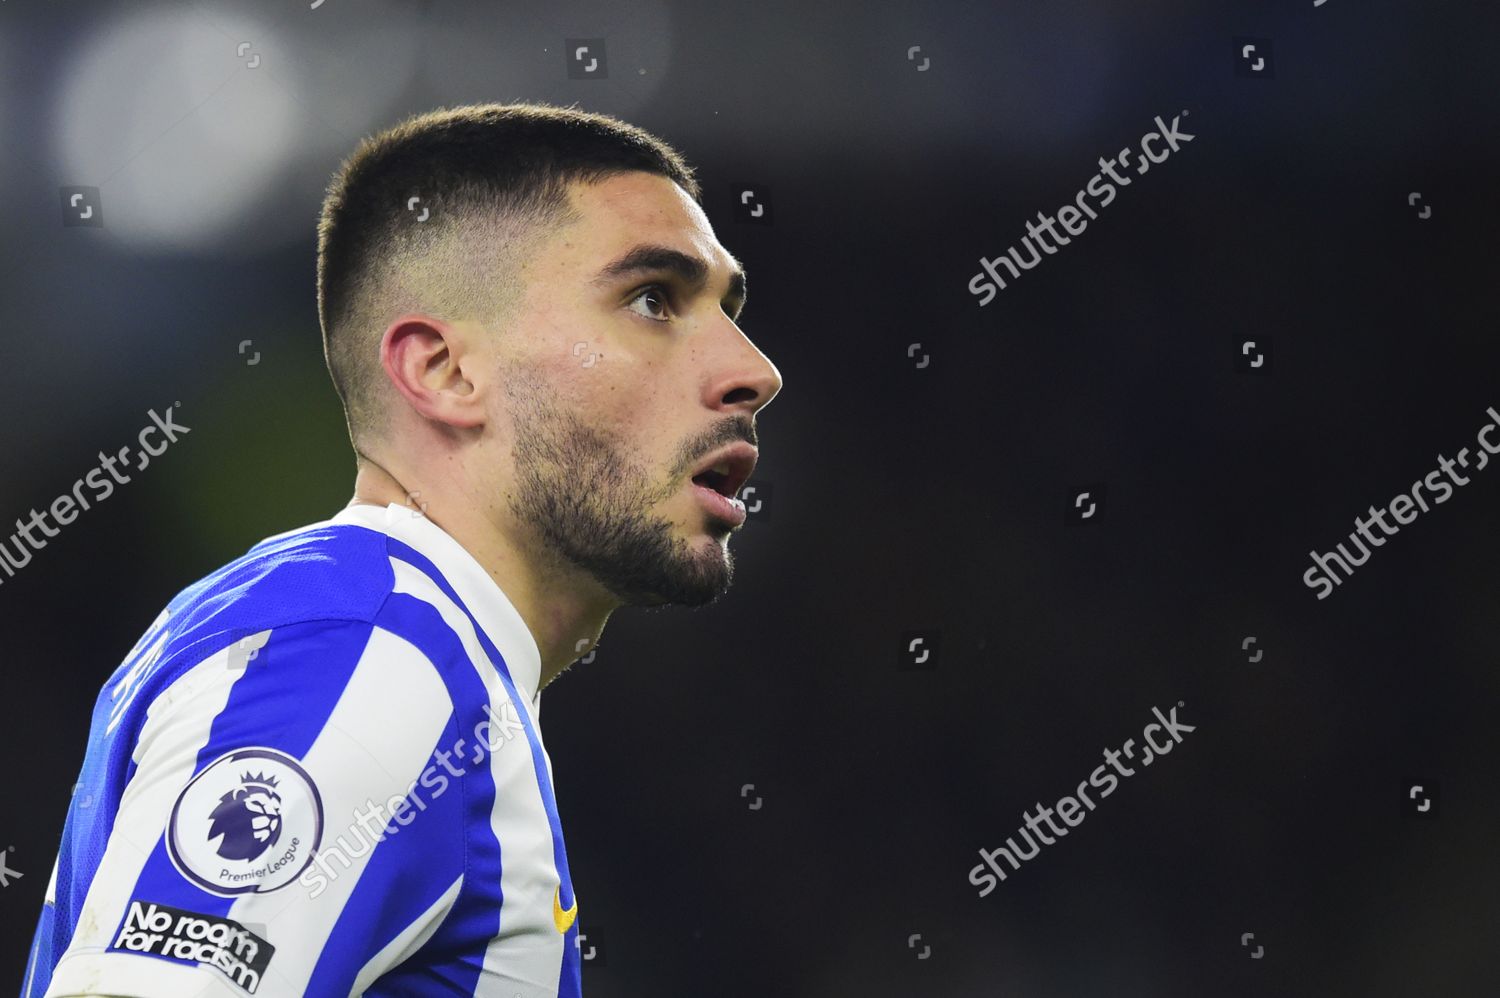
(617,398)
(610,389)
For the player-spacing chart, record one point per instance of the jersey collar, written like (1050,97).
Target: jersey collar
(497,615)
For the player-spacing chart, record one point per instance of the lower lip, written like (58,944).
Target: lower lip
(730,510)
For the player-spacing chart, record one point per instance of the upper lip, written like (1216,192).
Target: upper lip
(740,459)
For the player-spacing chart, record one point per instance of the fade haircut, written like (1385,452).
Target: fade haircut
(491,182)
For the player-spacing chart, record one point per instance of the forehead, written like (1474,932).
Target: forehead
(634,208)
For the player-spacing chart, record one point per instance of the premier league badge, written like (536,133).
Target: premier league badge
(249,822)
(248,818)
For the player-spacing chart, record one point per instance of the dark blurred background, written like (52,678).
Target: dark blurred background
(899,497)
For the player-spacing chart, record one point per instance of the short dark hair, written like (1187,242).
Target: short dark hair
(406,211)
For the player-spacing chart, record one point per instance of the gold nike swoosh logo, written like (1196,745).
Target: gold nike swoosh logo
(562,919)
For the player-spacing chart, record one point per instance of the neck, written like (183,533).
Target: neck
(565,612)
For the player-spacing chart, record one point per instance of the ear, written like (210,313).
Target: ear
(426,358)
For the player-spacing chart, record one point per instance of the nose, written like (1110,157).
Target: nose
(749,383)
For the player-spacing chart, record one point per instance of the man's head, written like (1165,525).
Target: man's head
(526,312)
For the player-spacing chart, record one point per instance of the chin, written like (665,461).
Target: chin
(719,531)
(697,580)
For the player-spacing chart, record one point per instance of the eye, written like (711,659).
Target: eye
(652,291)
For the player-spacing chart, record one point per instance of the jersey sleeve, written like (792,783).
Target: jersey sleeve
(285,829)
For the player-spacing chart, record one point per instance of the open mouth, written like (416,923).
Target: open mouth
(716,480)
(728,469)
(719,478)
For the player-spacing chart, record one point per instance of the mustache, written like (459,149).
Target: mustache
(731,430)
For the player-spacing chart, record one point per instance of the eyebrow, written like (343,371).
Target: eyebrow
(691,270)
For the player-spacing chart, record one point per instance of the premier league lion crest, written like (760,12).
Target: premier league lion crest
(249,822)
(248,818)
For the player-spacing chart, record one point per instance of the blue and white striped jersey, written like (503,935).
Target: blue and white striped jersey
(320,772)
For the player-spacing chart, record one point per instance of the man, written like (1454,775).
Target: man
(320,770)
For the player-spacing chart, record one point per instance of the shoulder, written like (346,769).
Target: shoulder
(326,579)
(321,572)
